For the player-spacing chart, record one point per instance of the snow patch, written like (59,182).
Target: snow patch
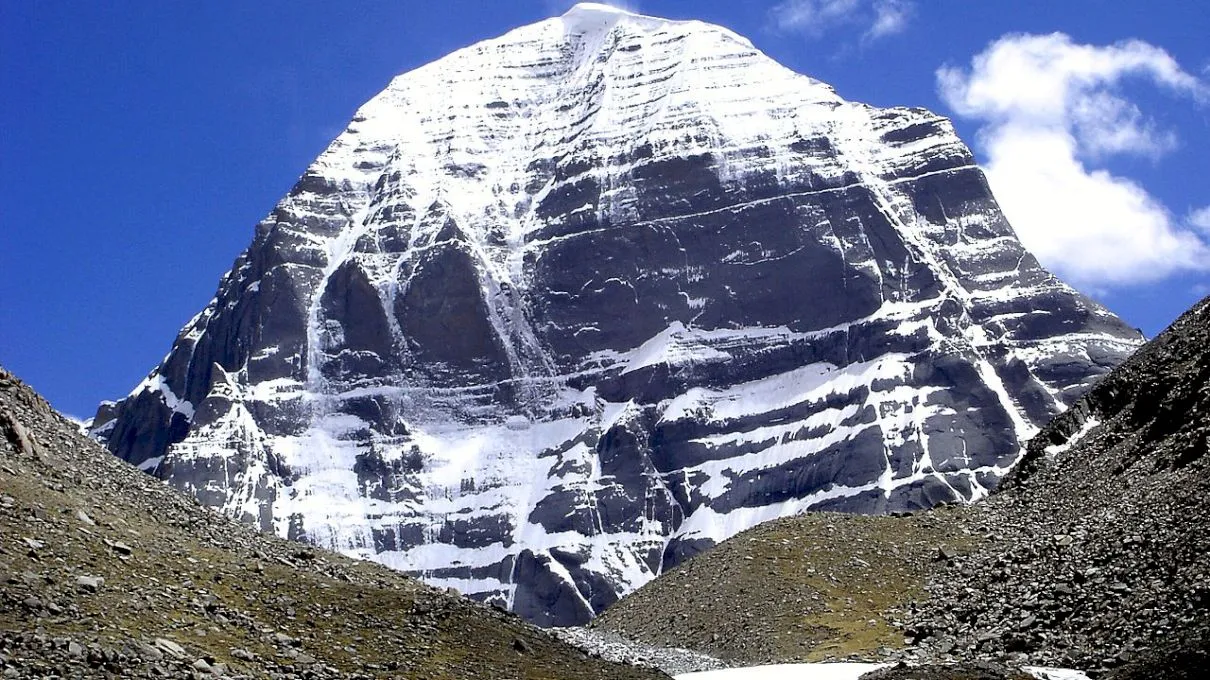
(676,346)
(797,671)
(839,671)
(1055,450)
(151,464)
(155,383)
(1044,673)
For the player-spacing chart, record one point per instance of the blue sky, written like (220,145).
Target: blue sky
(141,141)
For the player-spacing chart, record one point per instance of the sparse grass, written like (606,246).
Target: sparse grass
(811,588)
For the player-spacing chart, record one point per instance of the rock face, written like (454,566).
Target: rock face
(1092,555)
(565,307)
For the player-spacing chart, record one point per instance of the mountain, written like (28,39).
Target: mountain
(107,572)
(1092,555)
(565,307)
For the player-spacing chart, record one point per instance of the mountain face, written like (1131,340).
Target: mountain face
(565,307)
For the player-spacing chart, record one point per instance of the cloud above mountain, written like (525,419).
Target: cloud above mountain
(1053,114)
(1200,219)
(814,18)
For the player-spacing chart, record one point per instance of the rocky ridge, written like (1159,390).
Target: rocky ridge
(1099,558)
(567,306)
(107,572)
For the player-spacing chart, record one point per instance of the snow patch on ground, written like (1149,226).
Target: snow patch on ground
(1055,450)
(797,671)
(1043,673)
(838,671)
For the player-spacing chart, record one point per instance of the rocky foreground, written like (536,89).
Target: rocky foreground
(107,572)
(1095,556)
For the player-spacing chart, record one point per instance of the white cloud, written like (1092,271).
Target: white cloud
(1051,111)
(890,17)
(1200,218)
(813,18)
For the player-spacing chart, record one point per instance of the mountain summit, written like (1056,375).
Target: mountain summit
(564,307)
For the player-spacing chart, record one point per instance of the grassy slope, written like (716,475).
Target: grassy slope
(811,588)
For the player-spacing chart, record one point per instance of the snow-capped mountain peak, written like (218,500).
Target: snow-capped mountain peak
(585,17)
(568,305)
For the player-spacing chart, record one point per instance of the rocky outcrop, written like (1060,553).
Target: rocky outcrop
(567,306)
(1100,558)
